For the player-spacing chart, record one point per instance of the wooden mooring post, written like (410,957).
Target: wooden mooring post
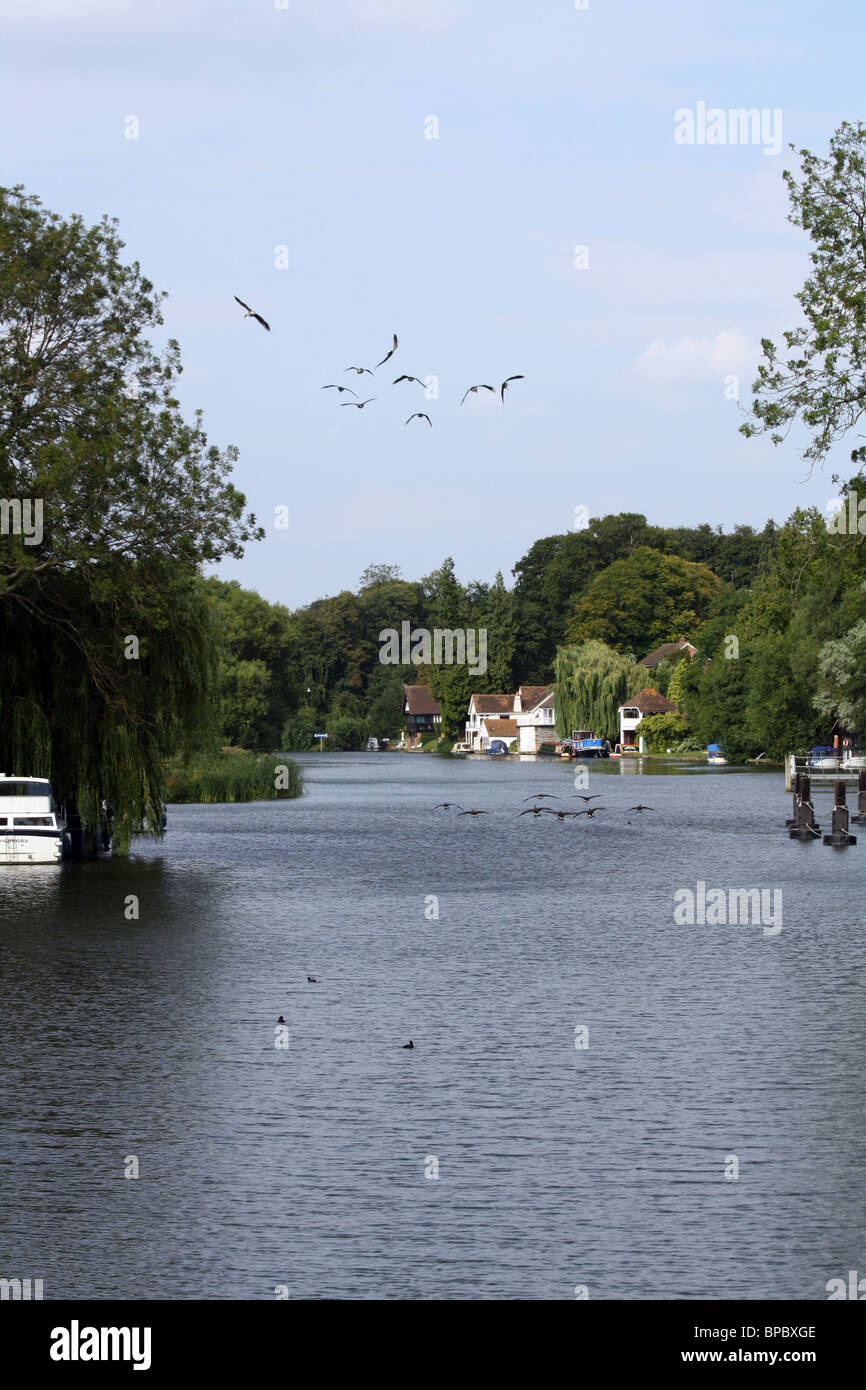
(839,832)
(859,816)
(802,826)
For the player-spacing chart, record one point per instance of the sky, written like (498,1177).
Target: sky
(498,182)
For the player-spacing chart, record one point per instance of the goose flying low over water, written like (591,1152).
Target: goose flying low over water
(638,808)
(578,796)
(251,314)
(474,813)
(419,415)
(532,811)
(560,815)
(446,806)
(359,405)
(479,387)
(542,796)
(590,811)
(334,387)
(518,377)
(388,354)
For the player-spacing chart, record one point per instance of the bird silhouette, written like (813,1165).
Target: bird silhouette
(590,811)
(360,370)
(519,377)
(359,405)
(409,1044)
(578,796)
(311,980)
(560,815)
(419,415)
(638,808)
(542,796)
(251,314)
(281,1019)
(334,387)
(479,387)
(473,813)
(532,811)
(446,806)
(398,379)
(388,354)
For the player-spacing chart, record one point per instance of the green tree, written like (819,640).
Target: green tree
(821,377)
(592,682)
(637,603)
(135,501)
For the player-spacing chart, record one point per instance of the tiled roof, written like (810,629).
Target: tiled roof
(494,704)
(530,695)
(667,649)
(501,728)
(651,702)
(419,700)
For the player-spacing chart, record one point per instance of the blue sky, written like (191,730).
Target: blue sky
(305,127)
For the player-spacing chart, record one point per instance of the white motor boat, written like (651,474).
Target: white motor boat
(31,831)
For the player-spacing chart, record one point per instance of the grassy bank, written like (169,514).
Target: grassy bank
(233,775)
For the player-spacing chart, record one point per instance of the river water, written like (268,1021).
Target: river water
(615,1102)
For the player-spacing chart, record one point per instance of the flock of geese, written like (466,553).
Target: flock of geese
(371,371)
(536,810)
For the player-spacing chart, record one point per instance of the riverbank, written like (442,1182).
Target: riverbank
(233,774)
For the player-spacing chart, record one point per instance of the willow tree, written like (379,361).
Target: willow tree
(592,681)
(110,504)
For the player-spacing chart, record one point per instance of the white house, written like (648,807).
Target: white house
(484,708)
(642,704)
(537,725)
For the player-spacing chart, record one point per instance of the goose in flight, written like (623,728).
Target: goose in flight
(473,813)
(361,370)
(359,405)
(446,806)
(419,415)
(251,314)
(532,811)
(518,377)
(388,354)
(398,379)
(560,815)
(579,796)
(590,811)
(639,808)
(542,796)
(479,387)
(334,387)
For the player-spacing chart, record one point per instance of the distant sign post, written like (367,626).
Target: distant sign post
(321,738)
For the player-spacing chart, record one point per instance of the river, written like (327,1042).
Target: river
(601,1100)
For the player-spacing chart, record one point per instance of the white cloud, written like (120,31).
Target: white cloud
(697,359)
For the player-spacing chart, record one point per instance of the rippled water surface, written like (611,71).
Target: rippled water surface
(558,1166)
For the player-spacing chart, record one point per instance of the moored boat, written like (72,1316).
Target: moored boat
(715,754)
(31,830)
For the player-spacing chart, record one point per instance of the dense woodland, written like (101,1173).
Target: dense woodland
(790,596)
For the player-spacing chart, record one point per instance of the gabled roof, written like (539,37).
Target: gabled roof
(493,704)
(530,696)
(667,650)
(501,728)
(651,702)
(418,700)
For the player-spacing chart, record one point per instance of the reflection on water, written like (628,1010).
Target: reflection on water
(558,1165)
